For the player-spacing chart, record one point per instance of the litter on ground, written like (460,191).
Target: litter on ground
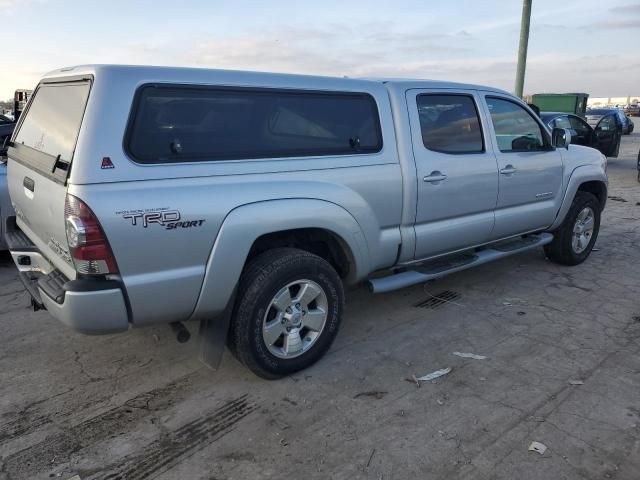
(434,375)
(470,355)
(538,447)
(576,382)
(377,394)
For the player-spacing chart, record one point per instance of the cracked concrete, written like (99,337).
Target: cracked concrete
(140,405)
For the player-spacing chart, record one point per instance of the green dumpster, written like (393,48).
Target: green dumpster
(561,102)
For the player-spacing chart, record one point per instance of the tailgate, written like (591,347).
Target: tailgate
(39,161)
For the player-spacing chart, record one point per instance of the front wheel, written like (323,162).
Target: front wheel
(574,240)
(287,312)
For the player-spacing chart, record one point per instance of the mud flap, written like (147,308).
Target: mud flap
(213,336)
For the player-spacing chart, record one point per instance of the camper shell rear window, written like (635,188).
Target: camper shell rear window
(48,129)
(178,123)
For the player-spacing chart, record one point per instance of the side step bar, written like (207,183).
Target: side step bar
(441,267)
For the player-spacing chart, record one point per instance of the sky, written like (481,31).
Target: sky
(575,45)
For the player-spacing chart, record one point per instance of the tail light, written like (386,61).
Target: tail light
(88,244)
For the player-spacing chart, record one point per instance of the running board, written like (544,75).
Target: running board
(440,268)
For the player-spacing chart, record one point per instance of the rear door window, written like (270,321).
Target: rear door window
(52,122)
(450,123)
(185,124)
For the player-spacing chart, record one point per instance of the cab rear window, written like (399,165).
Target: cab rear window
(52,121)
(185,124)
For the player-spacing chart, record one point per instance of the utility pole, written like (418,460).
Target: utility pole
(522,47)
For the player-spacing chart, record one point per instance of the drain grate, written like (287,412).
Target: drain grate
(438,300)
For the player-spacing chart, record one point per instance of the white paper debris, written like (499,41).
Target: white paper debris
(470,355)
(538,447)
(576,382)
(507,304)
(434,375)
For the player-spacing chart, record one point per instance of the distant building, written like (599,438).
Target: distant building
(599,102)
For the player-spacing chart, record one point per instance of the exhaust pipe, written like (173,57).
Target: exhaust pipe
(181,332)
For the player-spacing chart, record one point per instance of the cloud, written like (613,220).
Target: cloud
(634,8)
(337,50)
(373,49)
(616,24)
(588,73)
(621,20)
(11,5)
(545,73)
(6,4)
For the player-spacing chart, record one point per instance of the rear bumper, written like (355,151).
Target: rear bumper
(88,305)
(94,312)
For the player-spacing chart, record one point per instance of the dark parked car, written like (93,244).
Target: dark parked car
(624,123)
(605,135)
(6,129)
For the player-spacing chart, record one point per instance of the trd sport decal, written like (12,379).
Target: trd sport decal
(169,219)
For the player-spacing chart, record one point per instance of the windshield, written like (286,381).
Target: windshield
(52,122)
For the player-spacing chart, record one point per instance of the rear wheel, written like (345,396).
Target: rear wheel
(287,313)
(575,238)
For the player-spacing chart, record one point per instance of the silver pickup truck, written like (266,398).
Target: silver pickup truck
(245,201)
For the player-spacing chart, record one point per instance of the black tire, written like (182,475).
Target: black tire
(262,279)
(561,249)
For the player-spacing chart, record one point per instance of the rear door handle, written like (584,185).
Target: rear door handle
(434,177)
(29,184)
(508,170)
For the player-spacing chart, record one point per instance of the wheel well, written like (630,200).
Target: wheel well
(318,241)
(596,188)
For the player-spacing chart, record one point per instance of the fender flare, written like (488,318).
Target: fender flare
(244,224)
(580,175)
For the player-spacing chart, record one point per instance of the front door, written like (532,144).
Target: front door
(530,168)
(581,130)
(457,175)
(608,136)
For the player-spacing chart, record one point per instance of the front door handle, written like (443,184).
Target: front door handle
(508,170)
(434,177)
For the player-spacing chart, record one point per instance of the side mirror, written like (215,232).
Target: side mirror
(561,138)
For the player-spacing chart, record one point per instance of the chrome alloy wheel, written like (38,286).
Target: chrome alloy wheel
(295,319)
(583,230)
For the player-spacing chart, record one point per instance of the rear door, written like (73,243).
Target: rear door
(608,136)
(457,175)
(530,180)
(40,158)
